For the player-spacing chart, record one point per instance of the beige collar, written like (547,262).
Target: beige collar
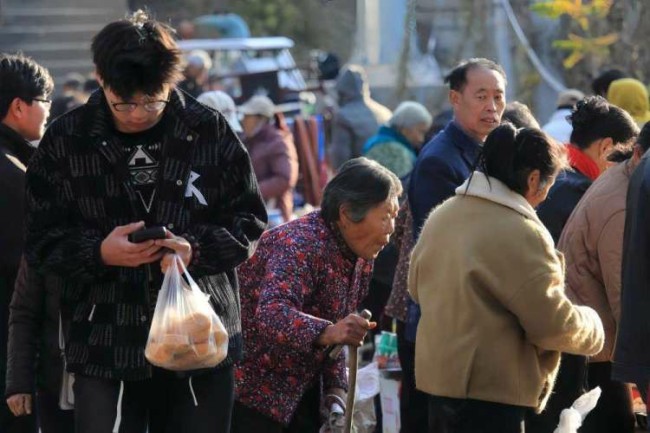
(490,188)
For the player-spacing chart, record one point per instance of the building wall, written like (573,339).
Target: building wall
(56,33)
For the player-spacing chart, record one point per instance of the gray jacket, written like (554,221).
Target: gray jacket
(357,118)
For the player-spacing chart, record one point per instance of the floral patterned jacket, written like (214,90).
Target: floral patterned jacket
(302,278)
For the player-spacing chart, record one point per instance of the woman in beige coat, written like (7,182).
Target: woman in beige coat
(491,288)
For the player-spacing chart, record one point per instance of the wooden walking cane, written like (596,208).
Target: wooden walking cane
(353,367)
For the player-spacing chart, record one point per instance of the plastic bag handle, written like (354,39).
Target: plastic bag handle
(177,261)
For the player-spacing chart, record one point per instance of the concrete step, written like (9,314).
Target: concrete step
(56,33)
(12,36)
(59,51)
(18,29)
(31,16)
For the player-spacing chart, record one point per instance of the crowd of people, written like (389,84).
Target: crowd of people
(512,257)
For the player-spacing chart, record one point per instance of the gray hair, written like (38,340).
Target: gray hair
(408,114)
(360,185)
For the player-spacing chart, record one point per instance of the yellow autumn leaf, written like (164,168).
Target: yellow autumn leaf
(556,8)
(606,40)
(568,45)
(601,7)
(584,23)
(573,59)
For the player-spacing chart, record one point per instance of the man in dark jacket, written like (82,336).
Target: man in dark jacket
(631,353)
(477,96)
(34,362)
(25,88)
(139,153)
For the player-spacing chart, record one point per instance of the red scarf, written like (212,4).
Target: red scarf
(581,162)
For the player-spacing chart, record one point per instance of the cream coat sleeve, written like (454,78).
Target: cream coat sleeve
(552,322)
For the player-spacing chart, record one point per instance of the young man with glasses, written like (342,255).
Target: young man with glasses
(25,88)
(140,152)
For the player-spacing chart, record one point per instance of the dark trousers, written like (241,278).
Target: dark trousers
(306,418)
(451,415)
(413,404)
(16,424)
(613,413)
(165,403)
(571,383)
(51,418)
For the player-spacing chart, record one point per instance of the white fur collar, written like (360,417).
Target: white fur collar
(497,192)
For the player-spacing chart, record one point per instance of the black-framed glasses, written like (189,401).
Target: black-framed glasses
(150,106)
(43,100)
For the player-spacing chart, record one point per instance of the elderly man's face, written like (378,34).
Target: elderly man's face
(479,105)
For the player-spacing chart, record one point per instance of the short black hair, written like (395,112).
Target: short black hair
(137,54)
(457,78)
(328,66)
(21,77)
(643,140)
(519,115)
(601,83)
(594,118)
(622,153)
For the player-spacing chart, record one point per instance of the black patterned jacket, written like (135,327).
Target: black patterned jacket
(79,190)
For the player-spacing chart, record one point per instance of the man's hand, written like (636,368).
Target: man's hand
(20,404)
(116,250)
(349,331)
(179,246)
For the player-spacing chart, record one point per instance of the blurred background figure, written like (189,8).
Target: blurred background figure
(186,29)
(558,126)
(90,85)
(214,82)
(519,115)
(396,144)
(632,96)
(198,63)
(328,67)
(223,103)
(357,118)
(272,152)
(72,96)
(600,84)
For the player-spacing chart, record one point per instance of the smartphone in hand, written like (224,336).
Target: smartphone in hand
(146,234)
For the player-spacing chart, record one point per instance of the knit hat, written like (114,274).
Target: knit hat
(224,104)
(569,97)
(632,96)
(258,106)
(199,59)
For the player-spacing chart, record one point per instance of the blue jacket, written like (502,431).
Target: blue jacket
(632,352)
(442,166)
(562,198)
